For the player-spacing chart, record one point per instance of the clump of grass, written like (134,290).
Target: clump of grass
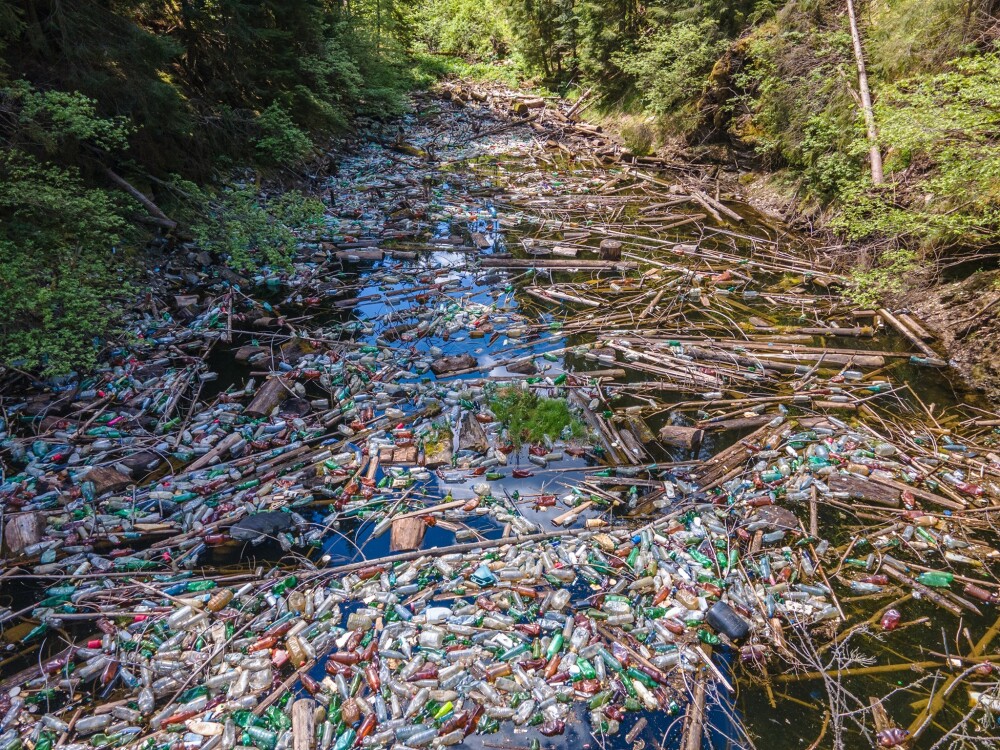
(528,417)
(639,136)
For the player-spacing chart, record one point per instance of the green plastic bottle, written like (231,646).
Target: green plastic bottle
(936,579)
(586,668)
(262,737)
(345,740)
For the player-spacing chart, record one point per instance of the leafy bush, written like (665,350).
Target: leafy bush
(907,37)
(50,118)
(670,64)
(638,135)
(885,276)
(280,141)
(249,230)
(944,130)
(62,268)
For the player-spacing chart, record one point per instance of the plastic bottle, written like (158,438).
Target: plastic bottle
(890,620)
(936,578)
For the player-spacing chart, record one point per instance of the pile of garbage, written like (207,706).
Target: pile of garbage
(594,481)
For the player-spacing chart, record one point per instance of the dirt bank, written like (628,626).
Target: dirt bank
(966,315)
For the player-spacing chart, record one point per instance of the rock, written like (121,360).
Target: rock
(22,530)
(107,480)
(473,436)
(452,364)
(257,525)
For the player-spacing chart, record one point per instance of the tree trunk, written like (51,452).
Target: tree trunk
(866,99)
(162,218)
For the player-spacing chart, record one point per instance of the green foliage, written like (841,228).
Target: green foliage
(429,68)
(937,130)
(528,417)
(62,265)
(281,142)
(249,230)
(638,135)
(50,118)
(886,276)
(796,87)
(907,37)
(166,95)
(466,28)
(944,129)
(670,64)
(940,135)
(538,30)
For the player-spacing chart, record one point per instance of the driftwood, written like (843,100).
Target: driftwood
(268,396)
(611,250)
(303,725)
(737,423)
(22,530)
(407,533)
(600,265)
(907,333)
(688,438)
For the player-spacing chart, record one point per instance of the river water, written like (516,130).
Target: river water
(447,221)
(522,197)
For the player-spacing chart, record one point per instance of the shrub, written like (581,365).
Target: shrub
(280,141)
(671,63)
(62,269)
(885,276)
(528,417)
(638,135)
(250,230)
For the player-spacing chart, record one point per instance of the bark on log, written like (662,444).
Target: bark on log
(268,396)
(611,250)
(603,265)
(164,220)
(866,98)
(303,727)
(221,447)
(737,423)
(407,533)
(682,437)
(20,531)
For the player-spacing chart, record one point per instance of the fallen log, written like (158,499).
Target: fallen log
(268,396)
(736,423)
(569,265)
(682,437)
(907,333)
